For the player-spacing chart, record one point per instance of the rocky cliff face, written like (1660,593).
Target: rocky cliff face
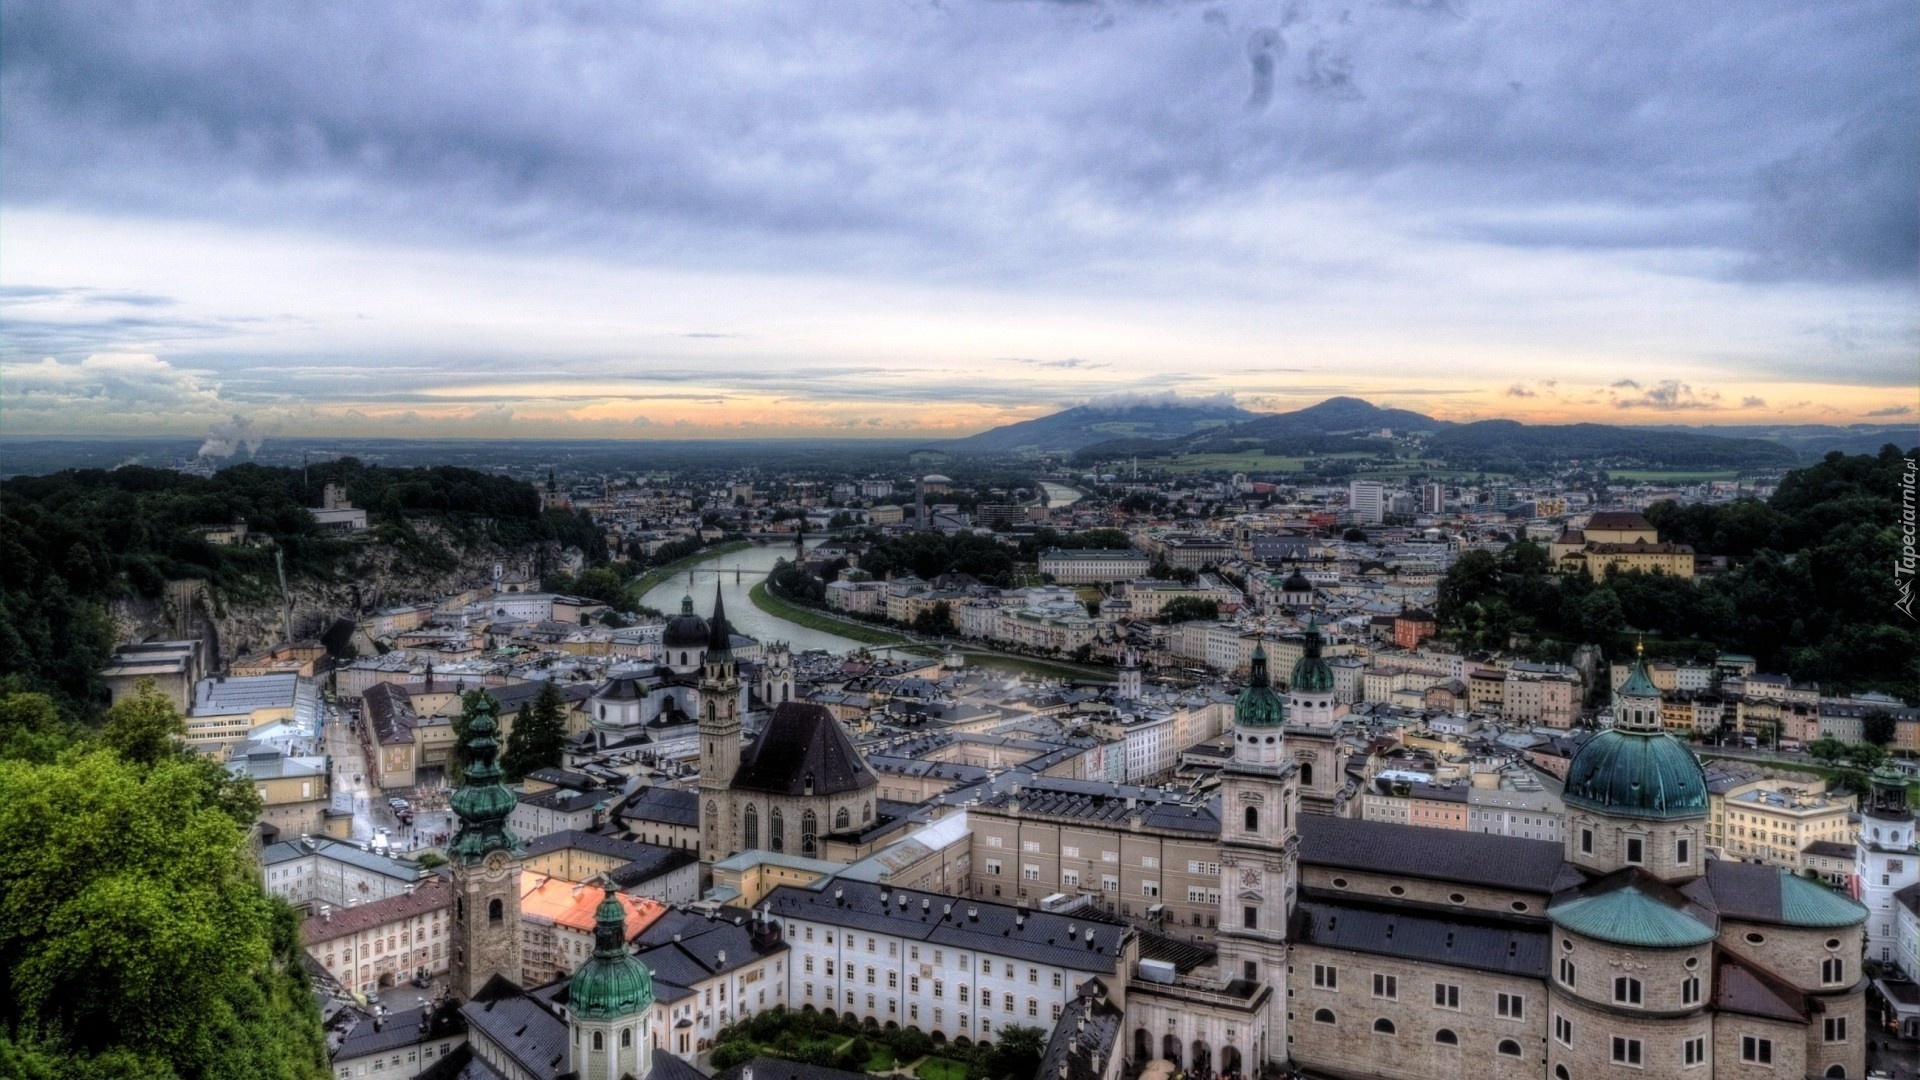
(375,576)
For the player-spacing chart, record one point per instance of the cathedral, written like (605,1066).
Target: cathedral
(1367,949)
(800,781)
(660,705)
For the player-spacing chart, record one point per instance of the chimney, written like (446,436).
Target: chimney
(973,913)
(721,959)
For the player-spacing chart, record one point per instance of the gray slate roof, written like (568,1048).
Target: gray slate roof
(1437,854)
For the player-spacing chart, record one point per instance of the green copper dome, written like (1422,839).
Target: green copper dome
(1647,774)
(1628,916)
(1311,675)
(482,802)
(1809,903)
(613,982)
(1258,706)
(1638,684)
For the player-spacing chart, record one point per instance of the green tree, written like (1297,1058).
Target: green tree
(1190,609)
(1877,727)
(937,619)
(31,727)
(135,939)
(1017,1053)
(538,736)
(144,726)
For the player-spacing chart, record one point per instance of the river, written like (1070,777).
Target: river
(746,618)
(1059,495)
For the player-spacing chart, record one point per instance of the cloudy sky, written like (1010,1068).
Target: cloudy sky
(892,218)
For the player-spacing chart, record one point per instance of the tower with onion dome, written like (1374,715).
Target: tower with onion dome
(1259,845)
(1313,718)
(610,1003)
(719,735)
(485,859)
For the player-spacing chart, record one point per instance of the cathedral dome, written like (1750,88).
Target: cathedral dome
(1258,706)
(1648,774)
(686,630)
(613,982)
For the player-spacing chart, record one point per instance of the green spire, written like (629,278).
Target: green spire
(1311,675)
(1258,705)
(613,982)
(482,803)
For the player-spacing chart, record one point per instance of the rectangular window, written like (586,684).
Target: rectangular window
(995,841)
(1150,888)
(1586,841)
(1756,1050)
(1150,862)
(1636,850)
(1510,1006)
(1836,1029)
(1250,917)
(1626,1051)
(1690,990)
(1029,845)
(1563,1030)
(1626,991)
(1326,977)
(963,993)
(1695,1051)
(1030,872)
(1683,851)
(1446,996)
(1068,852)
(1566,971)
(1070,878)
(1832,970)
(1386,986)
(1109,883)
(993,867)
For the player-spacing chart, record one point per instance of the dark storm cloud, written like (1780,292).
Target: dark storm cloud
(983,142)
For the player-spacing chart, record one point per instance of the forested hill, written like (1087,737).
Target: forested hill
(1811,591)
(72,543)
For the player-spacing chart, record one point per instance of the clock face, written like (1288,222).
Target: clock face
(1250,877)
(496,862)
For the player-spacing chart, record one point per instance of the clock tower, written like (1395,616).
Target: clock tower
(1259,845)
(485,858)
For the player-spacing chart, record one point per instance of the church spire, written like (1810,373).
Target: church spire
(720,636)
(482,802)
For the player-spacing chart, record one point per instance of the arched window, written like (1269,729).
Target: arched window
(1509,1048)
(1306,772)
(1383,1026)
(1323,1016)
(495,912)
(866,812)
(809,834)
(842,820)
(599,1041)
(1253,819)
(752,837)
(1445,1037)
(1560,1073)
(683,658)
(777,840)
(1838,1072)
(806,784)
(626,1038)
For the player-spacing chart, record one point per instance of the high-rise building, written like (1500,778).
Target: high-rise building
(1367,501)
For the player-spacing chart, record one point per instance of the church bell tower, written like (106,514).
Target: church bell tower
(1259,844)
(719,736)
(485,857)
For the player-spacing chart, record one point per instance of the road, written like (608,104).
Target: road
(353,789)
